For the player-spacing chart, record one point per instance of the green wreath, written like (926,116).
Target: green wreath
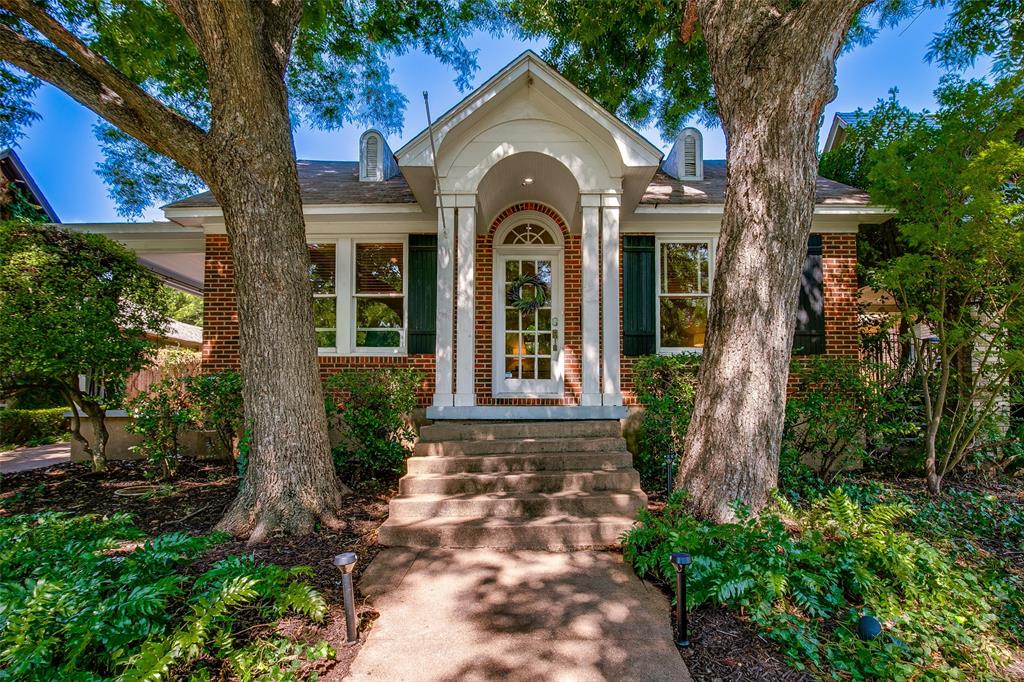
(540,296)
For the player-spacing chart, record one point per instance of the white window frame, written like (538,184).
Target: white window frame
(329,350)
(345,296)
(353,296)
(712,243)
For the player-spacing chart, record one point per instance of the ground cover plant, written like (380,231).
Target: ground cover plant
(190,504)
(803,574)
(89,597)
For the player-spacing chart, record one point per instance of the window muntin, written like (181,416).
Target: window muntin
(378,295)
(529,233)
(323,277)
(529,351)
(684,293)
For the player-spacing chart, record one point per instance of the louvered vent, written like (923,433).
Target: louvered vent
(690,156)
(372,156)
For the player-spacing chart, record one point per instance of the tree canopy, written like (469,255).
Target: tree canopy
(337,74)
(646,61)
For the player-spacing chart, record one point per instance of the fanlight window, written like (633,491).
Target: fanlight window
(529,233)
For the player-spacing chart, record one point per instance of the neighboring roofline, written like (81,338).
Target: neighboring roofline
(532,57)
(837,124)
(26,177)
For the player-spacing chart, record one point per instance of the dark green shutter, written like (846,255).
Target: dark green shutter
(422,327)
(809,338)
(638,296)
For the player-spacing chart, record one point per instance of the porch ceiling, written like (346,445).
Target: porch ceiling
(505,185)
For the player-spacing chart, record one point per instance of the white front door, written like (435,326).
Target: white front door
(528,337)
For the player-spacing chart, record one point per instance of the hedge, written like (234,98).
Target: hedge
(20,427)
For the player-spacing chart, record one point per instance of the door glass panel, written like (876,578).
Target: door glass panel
(528,334)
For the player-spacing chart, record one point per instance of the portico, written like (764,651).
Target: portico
(528,152)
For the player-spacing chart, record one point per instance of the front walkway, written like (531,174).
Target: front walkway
(480,614)
(23,459)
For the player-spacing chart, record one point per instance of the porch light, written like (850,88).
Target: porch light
(346,563)
(527,181)
(680,560)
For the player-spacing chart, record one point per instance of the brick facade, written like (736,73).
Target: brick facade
(220,330)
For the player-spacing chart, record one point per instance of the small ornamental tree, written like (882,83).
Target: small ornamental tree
(954,177)
(74,304)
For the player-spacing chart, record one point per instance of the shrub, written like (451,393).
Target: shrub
(216,404)
(160,415)
(839,415)
(373,406)
(32,427)
(81,597)
(38,398)
(804,577)
(665,385)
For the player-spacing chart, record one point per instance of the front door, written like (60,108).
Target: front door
(528,322)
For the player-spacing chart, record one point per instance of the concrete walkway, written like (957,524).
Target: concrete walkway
(23,459)
(478,614)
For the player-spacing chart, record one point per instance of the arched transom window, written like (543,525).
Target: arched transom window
(529,233)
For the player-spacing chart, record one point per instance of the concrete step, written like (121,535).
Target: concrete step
(446,431)
(540,482)
(517,446)
(520,505)
(556,533)
(546,461)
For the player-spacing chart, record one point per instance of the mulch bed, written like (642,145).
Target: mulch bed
(193,503)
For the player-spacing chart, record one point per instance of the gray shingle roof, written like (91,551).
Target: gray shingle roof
(665,189)
(329,182)
(337,182)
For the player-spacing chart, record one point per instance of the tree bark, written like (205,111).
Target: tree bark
(290,484)
(773,72)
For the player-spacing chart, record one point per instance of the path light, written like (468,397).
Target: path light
(346,563)
(868,628)
(681,560)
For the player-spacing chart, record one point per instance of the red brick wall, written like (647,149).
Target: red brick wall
(220,317)
(839,272)
(220,328)
(571,329)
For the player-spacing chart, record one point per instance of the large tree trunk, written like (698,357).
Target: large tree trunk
(773,72)
(290,483)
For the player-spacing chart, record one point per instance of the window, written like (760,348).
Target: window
(379,295)
(322,270)
(684,292)
(528,233)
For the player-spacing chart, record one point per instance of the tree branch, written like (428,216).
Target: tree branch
(94,82)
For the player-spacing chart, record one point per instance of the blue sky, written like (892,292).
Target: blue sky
(61,152)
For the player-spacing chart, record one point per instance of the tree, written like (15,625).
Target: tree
(213,89)
(74,305)
(953,177)
(765,70)
(183,306)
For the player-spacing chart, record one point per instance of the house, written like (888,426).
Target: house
(523,268)
(561,246)
(16,183)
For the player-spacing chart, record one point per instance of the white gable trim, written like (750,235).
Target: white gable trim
(633,147)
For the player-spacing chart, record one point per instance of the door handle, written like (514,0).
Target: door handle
(554,335)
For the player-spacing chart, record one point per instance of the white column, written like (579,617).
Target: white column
(611,300)
(591,286)
(445,301)
(465,370)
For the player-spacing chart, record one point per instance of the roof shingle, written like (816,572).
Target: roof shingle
(664,189)
(329,182)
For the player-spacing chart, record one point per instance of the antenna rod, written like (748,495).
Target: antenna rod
(433,160)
